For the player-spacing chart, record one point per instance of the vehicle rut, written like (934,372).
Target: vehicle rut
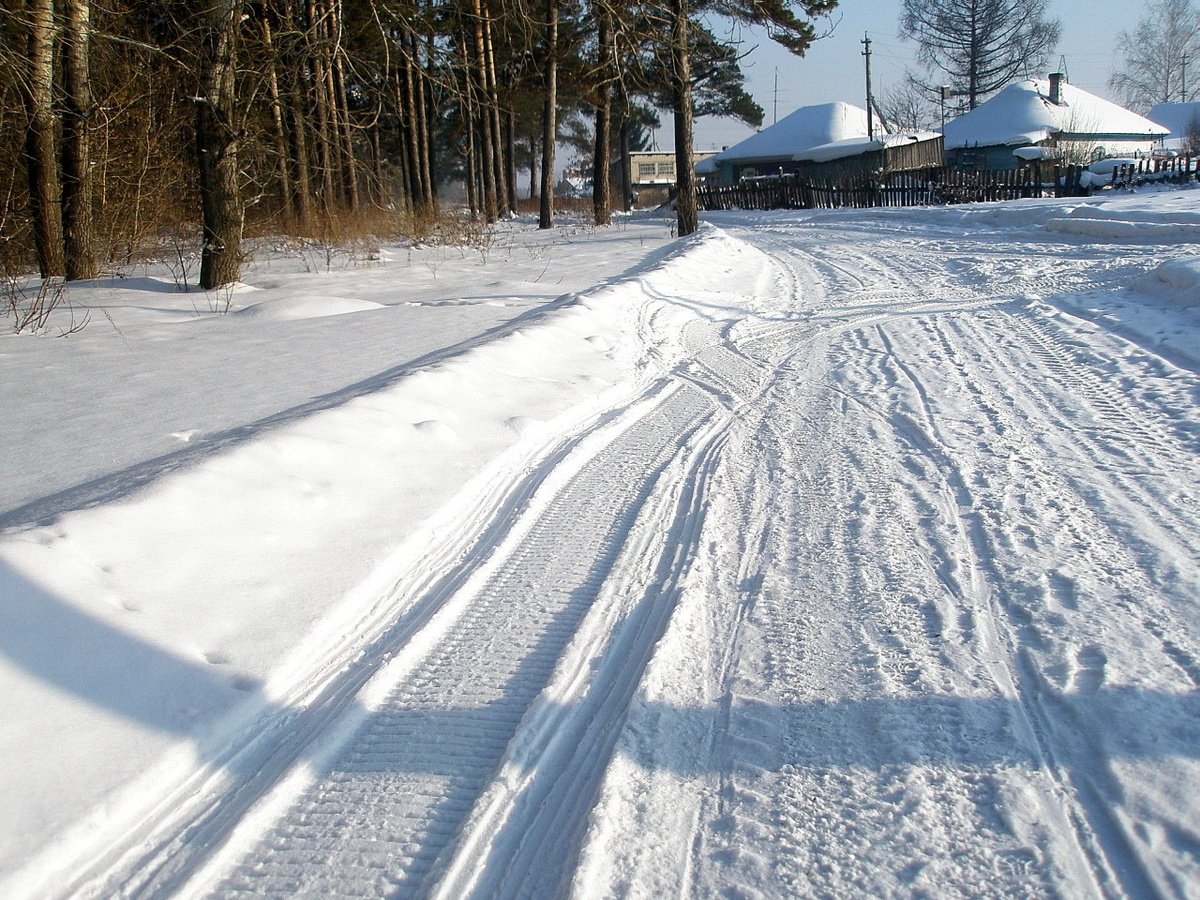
(381,819)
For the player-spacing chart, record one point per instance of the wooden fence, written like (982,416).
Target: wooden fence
(1179,170)
(928,187)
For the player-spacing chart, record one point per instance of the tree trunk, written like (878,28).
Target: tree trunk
(685,177)
(341,106)
(404,164)
(486,145)
(602,158)
(626,167)
(41,157)
(377,190)
(492,109)
(470,116)
(78,109)
(510,158)
(549,124)
(322,105)
(302,158)
(216,147)
(279,127)
(533,166)
(298,130)
(412,131)
(421,107)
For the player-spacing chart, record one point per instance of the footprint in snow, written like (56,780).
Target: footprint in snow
(435,428)
(1089,675)
(522,425)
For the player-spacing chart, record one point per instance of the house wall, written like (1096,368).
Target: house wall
(979,159)
(655,167)
(758,167)
(1083,149)
(1076,150)
(920,155)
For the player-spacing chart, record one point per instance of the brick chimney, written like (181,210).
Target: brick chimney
(1057,79)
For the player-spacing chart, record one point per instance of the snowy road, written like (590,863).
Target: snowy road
(880,581)
(956,543)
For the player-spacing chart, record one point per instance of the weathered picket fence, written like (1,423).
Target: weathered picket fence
(928,187)
(1178,170)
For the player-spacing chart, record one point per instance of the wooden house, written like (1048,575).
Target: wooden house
(1046,119)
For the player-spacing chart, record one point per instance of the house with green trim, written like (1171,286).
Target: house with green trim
(1046,120)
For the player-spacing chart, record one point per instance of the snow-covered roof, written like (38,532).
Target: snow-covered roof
(1022,113)
(858,145)
(1176,117)
(1032,153)
(806,128)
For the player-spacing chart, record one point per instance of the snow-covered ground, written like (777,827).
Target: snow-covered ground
(832,554)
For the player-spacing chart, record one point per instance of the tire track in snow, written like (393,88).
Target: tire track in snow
(1070,743)
(1126,429)
(841,599)
(966,449)
(1108,853)
(384,817)
(1150,494)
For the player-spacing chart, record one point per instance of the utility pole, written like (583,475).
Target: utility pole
(866,42)
(1183,78)
(775,107)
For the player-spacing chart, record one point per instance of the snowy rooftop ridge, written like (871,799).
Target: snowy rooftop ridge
(1023,113)
(793,136)
(857,145)
(1177,117)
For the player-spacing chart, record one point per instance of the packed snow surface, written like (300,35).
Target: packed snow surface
(818,554)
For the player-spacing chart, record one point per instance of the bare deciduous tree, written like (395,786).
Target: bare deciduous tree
(549,113)
(1157,54)
(602,157)
(41,144)
(1191,136)
(980,45)
(909,108)
(77,117)
(310,117)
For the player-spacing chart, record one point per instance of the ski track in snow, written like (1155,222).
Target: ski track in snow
(886,588)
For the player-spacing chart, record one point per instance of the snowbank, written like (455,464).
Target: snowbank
(1125,224)
(310,306)
(1175,279)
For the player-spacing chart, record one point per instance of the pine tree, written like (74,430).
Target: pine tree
(788,22)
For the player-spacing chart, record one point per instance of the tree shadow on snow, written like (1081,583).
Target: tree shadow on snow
(398,748)
(122,483)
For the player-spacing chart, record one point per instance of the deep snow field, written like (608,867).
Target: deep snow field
(818,554)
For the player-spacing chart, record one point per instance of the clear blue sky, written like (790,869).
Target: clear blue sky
(833,67)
